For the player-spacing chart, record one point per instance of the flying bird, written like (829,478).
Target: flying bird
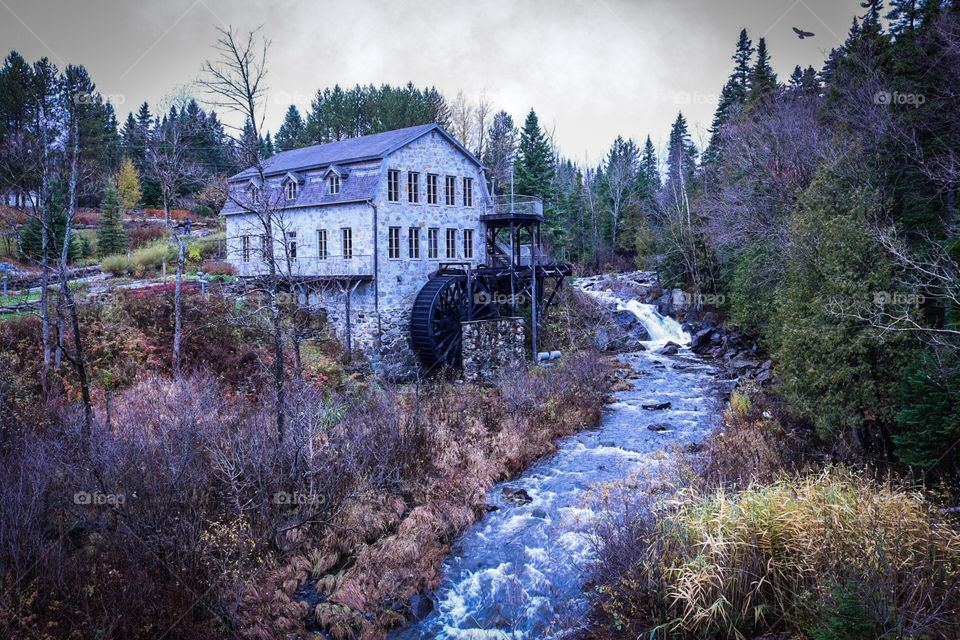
(803,34)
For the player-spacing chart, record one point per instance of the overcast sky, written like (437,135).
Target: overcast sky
(591,68)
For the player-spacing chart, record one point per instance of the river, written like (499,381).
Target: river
(519,572)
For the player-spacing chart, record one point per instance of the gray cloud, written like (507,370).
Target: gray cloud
(592,69)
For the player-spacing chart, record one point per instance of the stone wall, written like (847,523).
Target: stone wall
(491,345)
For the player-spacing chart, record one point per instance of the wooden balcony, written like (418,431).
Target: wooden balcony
(357,267)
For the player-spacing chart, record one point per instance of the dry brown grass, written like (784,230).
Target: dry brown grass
(786,557)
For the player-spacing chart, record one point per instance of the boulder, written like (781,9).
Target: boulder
(657,426)
(516,497)
(703,339)
(420,606)
(670,349)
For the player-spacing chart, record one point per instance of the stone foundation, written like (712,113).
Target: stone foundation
(491,345)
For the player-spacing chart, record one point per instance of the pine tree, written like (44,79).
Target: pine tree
(763,79)
(266,146)
(732,97)
(293,132)
(499,154)
(535,167)
(437,106)
(111,236)
(31,233)
(904,15)
(681,154)
(740,78)
(650,167)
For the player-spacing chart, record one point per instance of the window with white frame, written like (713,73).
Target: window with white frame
(413,243)
(451,243)
(322,244)
(346,242)
(413,186)
(468,244)
(291,190)
(334,184)
(433,241)
(393,243)
(245,248)
(393,185)
(468,192)
(432,179)
(292,244)
(451,191)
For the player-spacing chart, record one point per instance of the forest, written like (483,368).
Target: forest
(818,223)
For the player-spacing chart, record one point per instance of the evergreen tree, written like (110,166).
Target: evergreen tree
(740,79)
(904,15)
(732,97)
(111,236)
(763,79)
(681,155)
(31,233)
(500,151)
(834,263)
(534,169)
(928,423)
(266,146)
(437,107)
(293,132)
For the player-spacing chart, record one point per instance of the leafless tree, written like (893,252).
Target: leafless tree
(236,80)
(168,158)
(77,94)
(462,120)
(481,116)
(620,179)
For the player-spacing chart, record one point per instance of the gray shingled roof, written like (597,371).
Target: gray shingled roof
(346,151)
(356,188)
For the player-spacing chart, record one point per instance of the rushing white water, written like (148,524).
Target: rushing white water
(662,329)
(520,571)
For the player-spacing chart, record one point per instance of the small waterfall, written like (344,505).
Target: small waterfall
(662,329)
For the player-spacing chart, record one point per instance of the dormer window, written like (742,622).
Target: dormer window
(253,193)
(334,182)
(291,190)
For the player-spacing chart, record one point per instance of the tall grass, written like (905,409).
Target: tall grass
(830,555)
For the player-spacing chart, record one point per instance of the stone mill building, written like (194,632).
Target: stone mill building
(362,225)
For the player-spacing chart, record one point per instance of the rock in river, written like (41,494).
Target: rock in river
(654,407)
(516,496)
